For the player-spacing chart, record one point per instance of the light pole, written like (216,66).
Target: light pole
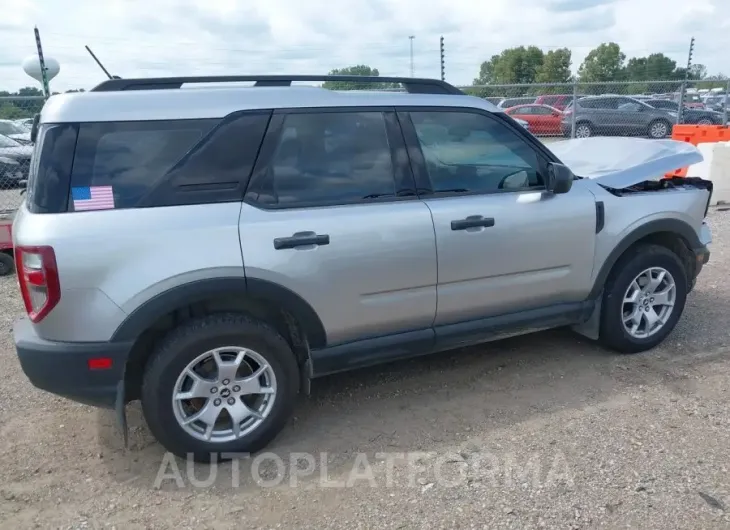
(410,38)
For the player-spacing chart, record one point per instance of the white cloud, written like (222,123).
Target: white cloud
(187,37)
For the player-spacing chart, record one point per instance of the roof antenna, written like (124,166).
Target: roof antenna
(101,65)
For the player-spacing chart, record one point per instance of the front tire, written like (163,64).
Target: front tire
(224,383)
(659,129)
(583,130)
(643,299)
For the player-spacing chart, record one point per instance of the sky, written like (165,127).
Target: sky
(144,38)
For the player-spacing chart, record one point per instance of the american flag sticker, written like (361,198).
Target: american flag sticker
(93,198)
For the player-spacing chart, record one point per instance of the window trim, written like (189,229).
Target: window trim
(418,161)
(205,193)
(403,178)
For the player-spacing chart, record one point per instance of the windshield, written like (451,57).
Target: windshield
(8,142)
(8,127)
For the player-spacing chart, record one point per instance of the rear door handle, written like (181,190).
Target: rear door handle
(473,221)
(301,239)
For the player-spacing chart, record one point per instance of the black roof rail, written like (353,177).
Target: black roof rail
(412,85)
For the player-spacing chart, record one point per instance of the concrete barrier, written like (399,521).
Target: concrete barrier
(716,168)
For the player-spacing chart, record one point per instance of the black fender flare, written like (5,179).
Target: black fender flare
(196,291)
(675,226)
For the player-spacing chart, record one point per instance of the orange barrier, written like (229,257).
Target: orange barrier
(697,134)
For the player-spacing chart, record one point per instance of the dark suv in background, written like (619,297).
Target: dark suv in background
(616,115)
(689,115)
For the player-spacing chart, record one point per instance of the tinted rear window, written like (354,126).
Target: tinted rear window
(95,166)
(128,159)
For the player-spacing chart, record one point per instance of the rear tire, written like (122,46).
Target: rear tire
(704,121)
(7,264)
(615,331)
(165,411)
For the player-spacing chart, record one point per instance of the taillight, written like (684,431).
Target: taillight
(38,279)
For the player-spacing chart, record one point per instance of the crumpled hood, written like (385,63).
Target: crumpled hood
(622,162)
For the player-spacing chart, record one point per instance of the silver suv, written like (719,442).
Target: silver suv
(211,250)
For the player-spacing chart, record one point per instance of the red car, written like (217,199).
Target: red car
(559,101)
(542,119)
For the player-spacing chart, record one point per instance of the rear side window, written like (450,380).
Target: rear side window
(164,163)
(117,164)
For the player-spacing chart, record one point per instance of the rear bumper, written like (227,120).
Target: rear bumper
(62,367)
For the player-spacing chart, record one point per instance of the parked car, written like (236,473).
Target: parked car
(692,100)
(715,102)
(558,101)
(511,102)
(14,162)
(689,115)
(26,123)
(15,131)
(209,255)
(542,119)
(523,123)
(616,115)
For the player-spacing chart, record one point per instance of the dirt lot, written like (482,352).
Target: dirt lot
(545,431)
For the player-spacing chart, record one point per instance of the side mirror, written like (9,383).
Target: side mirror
(559,178)
(34,128)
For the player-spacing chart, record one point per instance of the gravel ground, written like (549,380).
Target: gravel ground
(541,431)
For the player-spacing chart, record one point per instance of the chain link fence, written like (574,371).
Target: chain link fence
(16,117)
(646,109)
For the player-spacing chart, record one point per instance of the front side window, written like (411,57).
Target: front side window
(328,158)
(468,152)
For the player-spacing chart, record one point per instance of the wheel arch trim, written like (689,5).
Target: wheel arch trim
(198,290)
(681,228)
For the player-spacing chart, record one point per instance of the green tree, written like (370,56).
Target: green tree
(29,91)
(512,66)
(604,63)
(698,71)
(655,67)
(359,70)
(486,71)
(518,65)
(555,67)
(8,111)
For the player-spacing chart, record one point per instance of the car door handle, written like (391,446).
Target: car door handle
(301,239)
(473,221)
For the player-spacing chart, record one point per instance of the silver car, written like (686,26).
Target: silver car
(211,251)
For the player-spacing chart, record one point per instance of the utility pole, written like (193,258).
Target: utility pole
(410,38)
(42,62)
(680,112)
(443,69)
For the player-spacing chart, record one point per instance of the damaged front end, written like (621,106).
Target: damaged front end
(620,163)
(625,166)
(637,202)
